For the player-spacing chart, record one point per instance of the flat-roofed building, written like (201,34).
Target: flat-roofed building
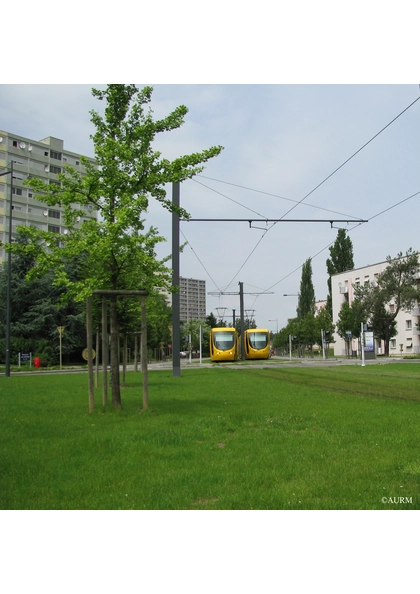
(43,159)
(192,299)
(407,339)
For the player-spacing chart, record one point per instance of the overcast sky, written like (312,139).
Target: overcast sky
(280,142)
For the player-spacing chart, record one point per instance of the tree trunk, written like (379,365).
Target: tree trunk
(115,364)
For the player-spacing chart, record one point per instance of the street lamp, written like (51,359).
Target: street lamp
(9,272)
(277,324)
(298,319)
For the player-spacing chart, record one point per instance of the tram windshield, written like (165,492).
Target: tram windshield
(258,340)
(224,340)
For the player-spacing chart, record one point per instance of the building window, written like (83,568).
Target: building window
(55,214)
(393,343)
(18,191)
(15,143)
(53,229)
(14,207)
(391,307)
(55,169)
(55,155)
(408,325)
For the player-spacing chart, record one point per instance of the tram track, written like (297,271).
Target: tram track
(310,380)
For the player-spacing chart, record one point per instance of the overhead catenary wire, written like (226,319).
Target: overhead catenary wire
(324,180)
(297,203)
(331,243)
(267,194)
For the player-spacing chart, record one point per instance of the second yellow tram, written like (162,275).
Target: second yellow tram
(257,343)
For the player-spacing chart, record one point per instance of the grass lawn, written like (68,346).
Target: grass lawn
(290,438)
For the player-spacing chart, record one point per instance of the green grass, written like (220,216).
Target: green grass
(289,438)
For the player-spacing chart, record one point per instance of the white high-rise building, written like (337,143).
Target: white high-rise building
(43,159)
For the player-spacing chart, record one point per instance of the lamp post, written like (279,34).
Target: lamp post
(9,272)
(298,318)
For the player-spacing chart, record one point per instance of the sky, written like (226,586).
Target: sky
(281,143)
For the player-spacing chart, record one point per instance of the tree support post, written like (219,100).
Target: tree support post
(144,353)
(89,350)
(104,352)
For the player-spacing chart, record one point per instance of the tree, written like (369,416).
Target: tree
(384,323)
(37,311)
(341,259)
(119,252)
(211,320)
(324,323)
(397,284)
(306,301)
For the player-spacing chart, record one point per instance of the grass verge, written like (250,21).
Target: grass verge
(223,438)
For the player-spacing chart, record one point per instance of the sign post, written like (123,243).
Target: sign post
(60,332)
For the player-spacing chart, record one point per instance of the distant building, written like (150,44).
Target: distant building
(192,299)
(407,340)
(42,159)
(320,305)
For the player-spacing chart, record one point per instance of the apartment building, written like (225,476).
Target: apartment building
(192,299)
(407,340)
(43,159)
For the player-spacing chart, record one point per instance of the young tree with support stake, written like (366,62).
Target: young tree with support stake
(119,252)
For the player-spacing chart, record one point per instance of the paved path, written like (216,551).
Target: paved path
(273,363)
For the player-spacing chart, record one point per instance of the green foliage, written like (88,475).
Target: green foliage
(341,259)
(211,320)
(306,303)
(397,284)
(192,328)
(119,253)
(37,309)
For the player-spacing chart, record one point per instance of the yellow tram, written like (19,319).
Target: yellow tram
(257,343)
(223,344)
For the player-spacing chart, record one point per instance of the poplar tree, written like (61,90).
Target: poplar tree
(129,172)
(306,302)
(341,259)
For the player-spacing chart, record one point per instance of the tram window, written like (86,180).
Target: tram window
(224,340)
(257,340)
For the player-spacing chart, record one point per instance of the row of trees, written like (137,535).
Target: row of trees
(40,306)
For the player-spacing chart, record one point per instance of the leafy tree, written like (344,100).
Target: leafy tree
(384,323)
(119,252)
(36,312)
(248,324)
(324,322)
(397,284)
(211,320)
(341,259)
(308,331)
(346,323)
(306,301)
(192,328)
